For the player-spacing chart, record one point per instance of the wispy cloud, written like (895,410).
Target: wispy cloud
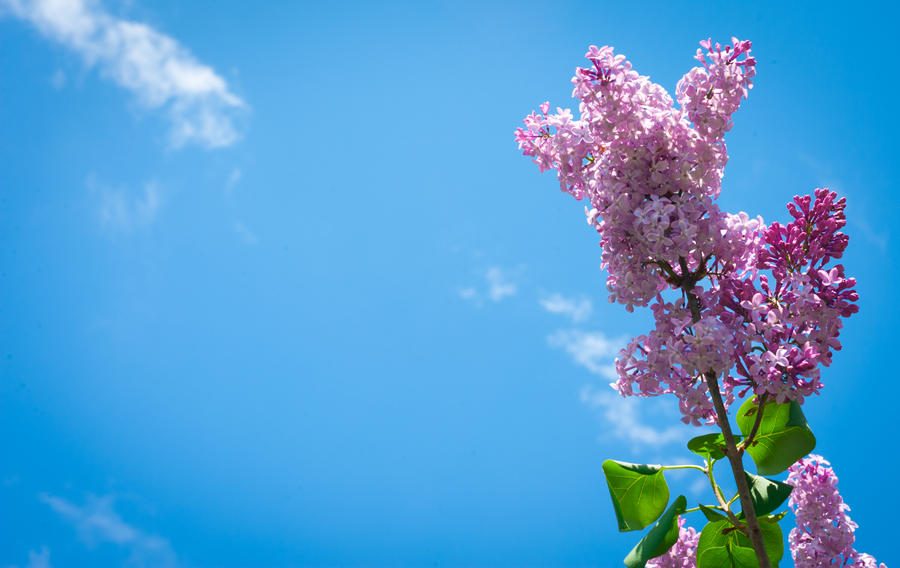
(625,422)
(58,79)
(98,522)
(878,238)
(245,234)
(576,309)
(590,349)
(468,293)
(123,211)
(497,285)
(233,178)
(155,67)
(39,559)
(698,487)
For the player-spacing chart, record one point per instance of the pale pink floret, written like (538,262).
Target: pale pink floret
(824,535)
(683,554)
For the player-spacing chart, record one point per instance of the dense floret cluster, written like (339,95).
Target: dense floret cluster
(683,554)
(824,533)
(758,307)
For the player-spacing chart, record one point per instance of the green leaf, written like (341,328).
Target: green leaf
(639,493)
(723,545)
(711,514)
(766,494)
(660,538)
(710,446)
(777,518)
(724,557)
(783,436)
(773,538)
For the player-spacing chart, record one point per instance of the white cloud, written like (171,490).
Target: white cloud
(622,416)
(155,67)
(590,349)
(98,522)
(122,211)
(578,310)
(499,286)
(625,422)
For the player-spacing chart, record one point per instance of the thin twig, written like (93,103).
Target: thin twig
(721,498)
(759,412)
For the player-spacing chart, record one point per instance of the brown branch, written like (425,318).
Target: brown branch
(759,413)
(752,529)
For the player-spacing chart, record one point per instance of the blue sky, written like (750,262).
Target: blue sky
(277,288)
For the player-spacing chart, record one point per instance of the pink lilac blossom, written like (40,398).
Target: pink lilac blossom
(683,554)
(760,307)
(824,533)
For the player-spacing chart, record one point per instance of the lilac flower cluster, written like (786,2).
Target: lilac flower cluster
(683,554)
(763,301)
(824,532)
(795,316)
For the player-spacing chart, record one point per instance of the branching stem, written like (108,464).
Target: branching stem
(721,498)
(752,529)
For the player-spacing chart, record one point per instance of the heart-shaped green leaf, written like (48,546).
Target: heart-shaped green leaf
(766,494)
(639,493)
(783,436)
(711,514)
(723,545)
(660,538)
(710,446)
(773,537)
(725,557)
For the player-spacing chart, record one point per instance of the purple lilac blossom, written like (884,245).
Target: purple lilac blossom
(770,302)
(824,533)
(683,554)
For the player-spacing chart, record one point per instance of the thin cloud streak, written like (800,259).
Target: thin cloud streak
(625,421)
(499,286)
(590,349)
(121,212)
(245,234)
(468,293)
(622,417)
(578,310)
(38,559)
(97,522)
(233,178)
(155,67)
